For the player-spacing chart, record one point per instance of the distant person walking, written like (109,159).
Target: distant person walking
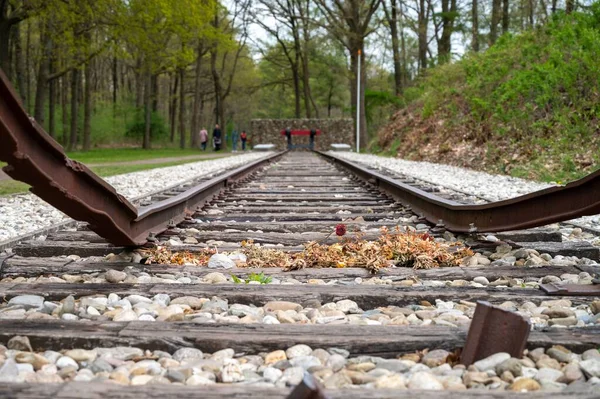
(203,139)
(234,140)
(244,137)
(217,137)
(313,133)
(288,135)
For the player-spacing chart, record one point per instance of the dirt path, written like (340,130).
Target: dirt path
(199,157)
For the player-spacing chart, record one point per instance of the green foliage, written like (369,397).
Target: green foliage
(158,128)
(260,277)
(536,93)
(378,99)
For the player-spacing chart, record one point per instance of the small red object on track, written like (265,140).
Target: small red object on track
(340,229)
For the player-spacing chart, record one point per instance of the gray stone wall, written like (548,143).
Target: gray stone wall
(268,131)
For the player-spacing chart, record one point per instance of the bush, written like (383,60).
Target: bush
(158,127)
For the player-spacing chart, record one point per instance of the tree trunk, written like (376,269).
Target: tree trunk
(219,108)
(496,13)
(570,6)
(182,108)
(20,65)
(530,11)
(74,92)
(155,93)
(5,46)
(194,128)
(475,26)
(42,80)
(505,16)
(296,81)
(87,107)
(422,35)
(140,83)
(173,115)
(405,74)
(553,7)
(147,110)
(448,17)
(393,23)
(27,65)
(63,105)
(52,100)
(115,82)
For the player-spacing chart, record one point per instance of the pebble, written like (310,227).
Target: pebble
(275,356)
(19,343)
(512,365)
(220,261)
(196,380)
(37,361)
(298,350)
(435,358)
(27,301)
(525,385)
(272,374)
(126,315)
(66,361)
(491,362)
(187,354)
(82,355)
(336,362)
(591,367)
(548,374)
(394,381)
(9,371)
(424,380)
(115,276)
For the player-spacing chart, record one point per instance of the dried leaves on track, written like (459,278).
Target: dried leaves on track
(403,249)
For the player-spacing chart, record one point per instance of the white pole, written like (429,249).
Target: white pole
(358,106)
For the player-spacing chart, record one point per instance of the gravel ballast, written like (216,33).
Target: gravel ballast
(543,370)
(481,184)
(26,213)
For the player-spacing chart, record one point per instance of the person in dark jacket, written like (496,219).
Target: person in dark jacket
(288,135)
(217,137)
(313,133)
(244,137)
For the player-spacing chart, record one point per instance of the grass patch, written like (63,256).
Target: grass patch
(532,100)
(129,154)
(16,187)
(12,187)
(122,169)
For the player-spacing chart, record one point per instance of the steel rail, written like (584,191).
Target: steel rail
(554,204)
(33,157)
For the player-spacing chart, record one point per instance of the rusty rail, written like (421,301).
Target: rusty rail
(35,158)
(554,204)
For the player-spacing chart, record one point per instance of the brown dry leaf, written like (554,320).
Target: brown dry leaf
(419,251)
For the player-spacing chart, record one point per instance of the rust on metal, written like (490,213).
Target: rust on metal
(494,330)
(571,289)
(551,205)
(308,388)
(34,158)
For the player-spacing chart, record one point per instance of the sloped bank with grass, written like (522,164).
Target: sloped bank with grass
(529,106)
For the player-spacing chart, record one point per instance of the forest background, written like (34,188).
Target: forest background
(99,73)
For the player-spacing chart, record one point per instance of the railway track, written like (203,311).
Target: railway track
(102,322)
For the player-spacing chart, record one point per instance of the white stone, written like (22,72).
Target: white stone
(66,361)
(220,261)
(491,362)
(424,380)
